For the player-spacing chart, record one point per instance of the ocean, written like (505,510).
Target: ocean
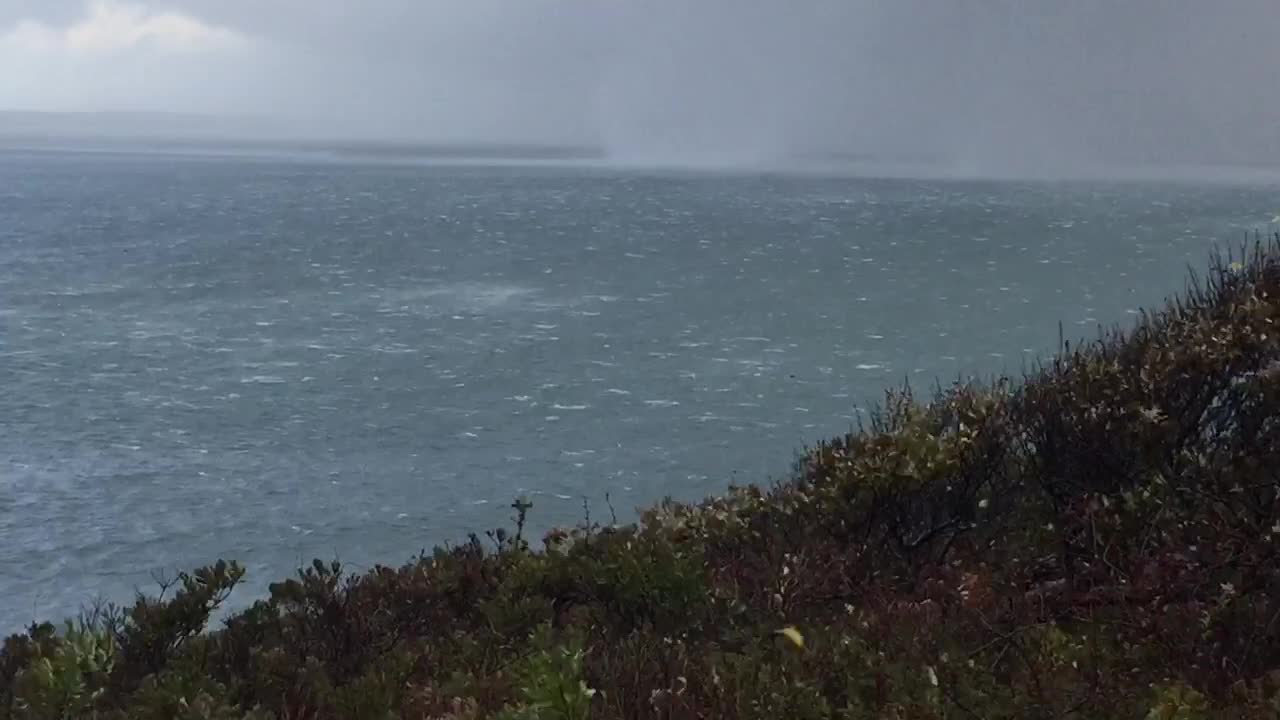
(271,359)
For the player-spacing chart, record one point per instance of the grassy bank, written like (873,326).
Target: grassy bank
(1098,540)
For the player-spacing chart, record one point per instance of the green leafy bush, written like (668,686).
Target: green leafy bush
(550,682)
(64,679)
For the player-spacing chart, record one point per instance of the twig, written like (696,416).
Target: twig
(613,514)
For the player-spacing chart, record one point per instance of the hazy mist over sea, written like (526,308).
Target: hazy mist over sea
(973,87)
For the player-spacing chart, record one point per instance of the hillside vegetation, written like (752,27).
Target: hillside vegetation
(1096,540)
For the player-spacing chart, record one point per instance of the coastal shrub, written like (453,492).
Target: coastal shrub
(64,677)
(1097,539)
(153,630)
(550,682)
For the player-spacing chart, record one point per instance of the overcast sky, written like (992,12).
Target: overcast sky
(994,82)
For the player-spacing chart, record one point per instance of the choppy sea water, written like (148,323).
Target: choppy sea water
(273,361)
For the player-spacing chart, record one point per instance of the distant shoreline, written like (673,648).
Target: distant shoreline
(833,164)
(340,149)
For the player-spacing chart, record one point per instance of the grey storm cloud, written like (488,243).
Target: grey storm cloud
(987,83)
